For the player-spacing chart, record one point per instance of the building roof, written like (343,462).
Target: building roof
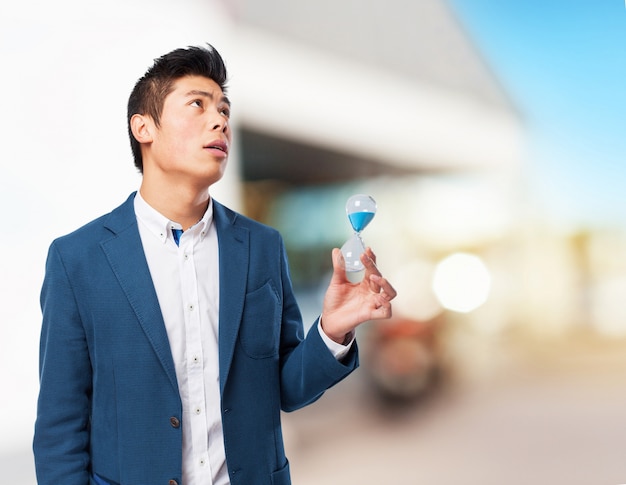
(422,40)
(384,87)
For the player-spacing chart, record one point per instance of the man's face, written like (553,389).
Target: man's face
(191,144)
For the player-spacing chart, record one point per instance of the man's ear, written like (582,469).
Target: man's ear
(142,128)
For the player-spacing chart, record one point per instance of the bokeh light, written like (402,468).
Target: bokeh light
(461,282)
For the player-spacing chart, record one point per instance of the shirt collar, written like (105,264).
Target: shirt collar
(161,227)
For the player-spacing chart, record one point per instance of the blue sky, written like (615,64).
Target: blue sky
(564,64)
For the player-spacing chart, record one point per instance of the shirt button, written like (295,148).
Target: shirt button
(198,410)
(190,308)
(175,422)
(196,359)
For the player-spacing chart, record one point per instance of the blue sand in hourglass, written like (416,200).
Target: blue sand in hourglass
(359,220)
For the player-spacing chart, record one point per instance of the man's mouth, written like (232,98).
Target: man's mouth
(218,145)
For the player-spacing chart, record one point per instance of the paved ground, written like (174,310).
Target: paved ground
(553,415)
(549,415)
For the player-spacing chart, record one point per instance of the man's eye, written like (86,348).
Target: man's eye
(197,103)
(225,112)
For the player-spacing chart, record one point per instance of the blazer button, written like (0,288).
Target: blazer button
(175,422)
(173,482)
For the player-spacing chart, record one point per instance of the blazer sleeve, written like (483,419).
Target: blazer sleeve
(308,367)
(61,437)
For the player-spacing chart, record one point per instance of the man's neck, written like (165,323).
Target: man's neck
(178,203)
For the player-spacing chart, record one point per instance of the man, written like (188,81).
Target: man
(171,338)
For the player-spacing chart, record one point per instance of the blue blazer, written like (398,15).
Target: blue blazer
(109,403)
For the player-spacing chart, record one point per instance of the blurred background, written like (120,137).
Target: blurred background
(490,134)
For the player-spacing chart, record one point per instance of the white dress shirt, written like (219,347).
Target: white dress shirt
(186,280)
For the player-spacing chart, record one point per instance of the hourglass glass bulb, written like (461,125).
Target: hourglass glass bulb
(360,209)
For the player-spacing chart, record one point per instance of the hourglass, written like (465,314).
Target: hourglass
(360,210)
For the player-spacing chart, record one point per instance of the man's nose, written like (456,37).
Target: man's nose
(219,122)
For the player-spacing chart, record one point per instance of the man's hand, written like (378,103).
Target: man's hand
(347,304)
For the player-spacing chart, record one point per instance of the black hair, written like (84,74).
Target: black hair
(150,91)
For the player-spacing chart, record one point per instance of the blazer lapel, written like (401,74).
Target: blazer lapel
(125,254)
(234,260)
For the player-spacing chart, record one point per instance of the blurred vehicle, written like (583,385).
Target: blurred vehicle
(401,357)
